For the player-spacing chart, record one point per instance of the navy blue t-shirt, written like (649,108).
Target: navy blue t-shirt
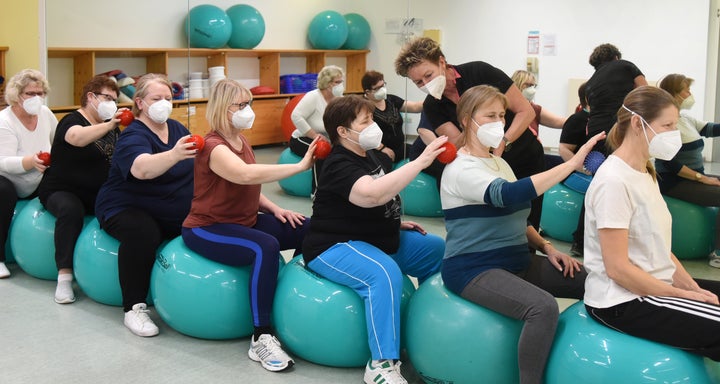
(166,197)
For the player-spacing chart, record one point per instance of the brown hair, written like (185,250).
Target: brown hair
(371,78)
(414,52)
(675,83)
(342,111)
(96,85)
(647,102)
(471,100)
(604,53)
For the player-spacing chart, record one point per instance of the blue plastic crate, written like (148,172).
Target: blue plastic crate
(298,83)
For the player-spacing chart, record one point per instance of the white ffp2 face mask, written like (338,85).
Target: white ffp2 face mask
(435,87)
(380,94)
(490,134)
(159,111)
(106,110)
(664,145)
(529,93)
(338,90)
(688,102)
(32,105)
(369,138)
(243,118)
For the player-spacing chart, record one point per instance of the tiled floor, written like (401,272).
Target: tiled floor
(43,342)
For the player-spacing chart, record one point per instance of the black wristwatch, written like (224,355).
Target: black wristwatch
(507,142)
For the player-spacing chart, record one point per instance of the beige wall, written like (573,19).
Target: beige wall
(21,32)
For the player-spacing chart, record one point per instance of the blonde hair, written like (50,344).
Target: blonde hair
(327,75)
(473,99)
(521,77)
(22,79)
(675,83)
(414,52)
(223,94)
(142,85)
(647,102)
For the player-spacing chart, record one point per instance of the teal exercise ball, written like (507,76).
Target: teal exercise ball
(95,265)
(207,26)
(299,184)
(322,321)
(327,30)
(9,256)
(248,26)
(200,297)
(588,352)
(32,239)
(358,32)
(452,340)
(693,228)
(421,197)
(561,212)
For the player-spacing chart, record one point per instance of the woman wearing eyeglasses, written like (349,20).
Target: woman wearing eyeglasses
(27,128)
(81,153)
(232,222)
(387,114)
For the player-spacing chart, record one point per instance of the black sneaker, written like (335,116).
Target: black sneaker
(576,250)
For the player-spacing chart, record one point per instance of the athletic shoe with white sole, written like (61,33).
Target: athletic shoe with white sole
(268,352)
(386,372)
(138,321)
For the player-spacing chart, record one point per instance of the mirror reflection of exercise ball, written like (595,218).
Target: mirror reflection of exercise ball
(358,32)
(327,30)
(207,26)
(248,26)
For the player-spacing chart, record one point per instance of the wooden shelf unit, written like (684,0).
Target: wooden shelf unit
(268,108)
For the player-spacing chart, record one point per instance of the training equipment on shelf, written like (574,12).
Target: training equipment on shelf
(452,340)
(321,321)
(248,26)
(327,30)
(358,32)
(693,228)
(207,26)
(588,352)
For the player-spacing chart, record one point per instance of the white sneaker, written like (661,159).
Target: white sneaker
(138,321)
(268,352)
(64,292)
(386,372)
(4,271)
(714,259)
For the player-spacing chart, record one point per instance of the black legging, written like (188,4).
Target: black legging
(8,199)
(140,235)
(69,211)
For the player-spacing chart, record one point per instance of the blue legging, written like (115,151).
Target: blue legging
(377,278)
(259,246)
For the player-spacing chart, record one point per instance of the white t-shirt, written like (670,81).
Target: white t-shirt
(308,114)
(620,197)
(16,142)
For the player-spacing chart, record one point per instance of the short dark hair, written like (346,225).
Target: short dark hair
(96,85)
(604,53)
(371,78)
(581,94)
(342,111)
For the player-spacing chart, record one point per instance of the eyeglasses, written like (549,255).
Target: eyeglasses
(528,85)
(106,96)
(33,94)
(378,87)
(242,105)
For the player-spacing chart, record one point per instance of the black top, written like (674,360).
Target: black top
(525,155)
(574,131)
(335,219)
(605,92)
(78,170)
(391,123)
